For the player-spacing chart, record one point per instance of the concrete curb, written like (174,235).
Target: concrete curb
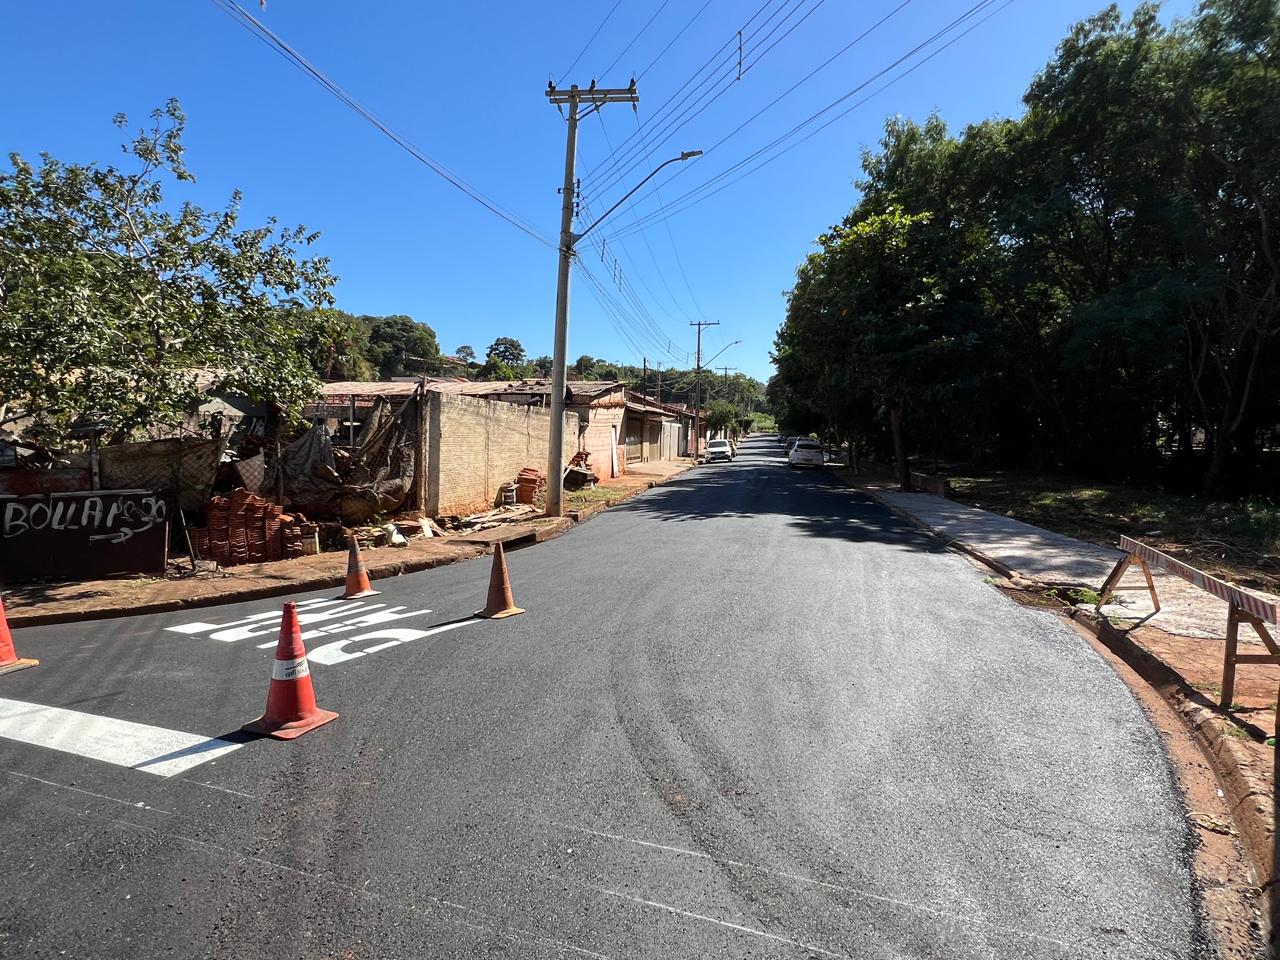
(1249,797)
(18,617)
(461,548)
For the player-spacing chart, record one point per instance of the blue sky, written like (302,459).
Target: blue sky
(465,83)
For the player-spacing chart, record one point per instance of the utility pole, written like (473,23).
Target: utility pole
(697,382)
(644,380)
(573,97)
(726,389)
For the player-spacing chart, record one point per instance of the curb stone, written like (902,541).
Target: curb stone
(460,549)
(1249,797)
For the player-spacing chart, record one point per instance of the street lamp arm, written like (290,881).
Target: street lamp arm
(722,350)
(686,155)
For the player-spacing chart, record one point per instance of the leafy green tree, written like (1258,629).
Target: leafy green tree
(721,415)
(115,304)
(495,369)
(466,353)
(507,350)
(542,366)
(398,345)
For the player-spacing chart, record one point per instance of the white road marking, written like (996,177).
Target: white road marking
(721,923)
(332,653)
(122,742)
(136,804)
(865,894)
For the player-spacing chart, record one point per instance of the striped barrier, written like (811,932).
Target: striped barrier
(1242,606)
(1255,606)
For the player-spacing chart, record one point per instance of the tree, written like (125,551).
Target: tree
(542,366)
(398,345)
(466,353)
(507,350)
(721,415)
(113,304)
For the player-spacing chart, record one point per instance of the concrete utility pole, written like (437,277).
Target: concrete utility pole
(572,97)
(597,97)
(697,383)
(726,386)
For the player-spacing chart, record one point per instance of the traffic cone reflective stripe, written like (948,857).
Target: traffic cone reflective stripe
(291,698)
(9,659)
(357,575)
(500,602)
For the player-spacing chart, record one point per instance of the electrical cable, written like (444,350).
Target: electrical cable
(592,38)
(662,6)
(263,33)
(702,192)
(722,86)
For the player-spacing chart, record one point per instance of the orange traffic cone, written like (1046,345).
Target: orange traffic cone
(9,659)
(357,575)
(500,603)
(291,700)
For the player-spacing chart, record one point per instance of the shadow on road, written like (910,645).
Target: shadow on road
(759,483)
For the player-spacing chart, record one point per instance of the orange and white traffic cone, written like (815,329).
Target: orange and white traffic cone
(291,699)
(9,659)
(500,603)
(357,576)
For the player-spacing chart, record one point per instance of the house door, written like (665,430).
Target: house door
(613,450)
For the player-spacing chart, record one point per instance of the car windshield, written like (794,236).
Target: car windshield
(718,444)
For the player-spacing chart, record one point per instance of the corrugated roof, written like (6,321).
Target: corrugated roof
(468,388)
(368,388)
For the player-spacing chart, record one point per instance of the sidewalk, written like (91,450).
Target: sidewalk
(1178,651)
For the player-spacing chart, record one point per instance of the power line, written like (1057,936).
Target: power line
(263,33)
(592,38)
(703,191)
(803,80)
(697,73)
(671,42)
(721,86)
(646,26)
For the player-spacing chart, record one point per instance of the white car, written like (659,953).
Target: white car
(719,450)
(805,453)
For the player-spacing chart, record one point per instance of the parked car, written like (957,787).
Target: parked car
(805,453)
(719,450)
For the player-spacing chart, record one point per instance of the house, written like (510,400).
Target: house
(598,405)
(656,430)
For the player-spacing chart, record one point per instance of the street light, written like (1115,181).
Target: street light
(686,155)
(568,243)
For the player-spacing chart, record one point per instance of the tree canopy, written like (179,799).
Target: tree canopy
(1094,286)
(117,305)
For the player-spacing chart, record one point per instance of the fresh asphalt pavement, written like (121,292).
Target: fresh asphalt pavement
(747,714)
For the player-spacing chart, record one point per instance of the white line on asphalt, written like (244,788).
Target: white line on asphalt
(212,786)
(122,742)
(136,804)
(865,894)
(722,923)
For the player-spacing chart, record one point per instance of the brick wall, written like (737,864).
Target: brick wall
(476,445)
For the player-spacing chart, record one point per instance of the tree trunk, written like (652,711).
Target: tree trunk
(1217,461)
(899,447)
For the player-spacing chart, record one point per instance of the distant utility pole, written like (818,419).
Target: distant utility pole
(697,383)
(597,97)
(644,380)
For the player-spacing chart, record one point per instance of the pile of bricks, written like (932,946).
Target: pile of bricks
(246,528)
(528,482)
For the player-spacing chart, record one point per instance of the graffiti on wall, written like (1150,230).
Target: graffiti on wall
(82,535)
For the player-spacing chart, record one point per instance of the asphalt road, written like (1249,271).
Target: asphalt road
(748,714)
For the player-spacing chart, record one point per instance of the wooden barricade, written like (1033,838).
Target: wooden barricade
(1242,607)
